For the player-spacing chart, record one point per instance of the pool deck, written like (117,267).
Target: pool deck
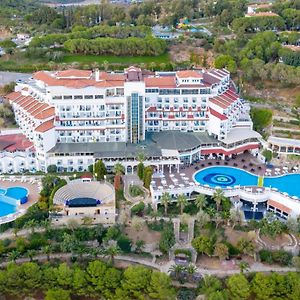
(30,185)
(184,178)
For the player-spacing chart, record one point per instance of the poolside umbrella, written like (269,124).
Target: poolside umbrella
(268,170)
(285,168)
(182,174)
(295,197)
(191,183)
(160,187)
(285,194)
(218,187)
(181,185)
(275,189)
(296,168)
(277,169)
(206,185)
(172,175)
(171,186)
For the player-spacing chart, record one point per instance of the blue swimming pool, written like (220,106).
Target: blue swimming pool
(6,208)
(229,177)
(10,198)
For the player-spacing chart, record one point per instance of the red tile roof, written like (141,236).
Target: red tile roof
(280,206)
(262,14)
(14,142)
(218,115)
(74,73)
(45,114)
(188,74)
(45,126)
(160,82)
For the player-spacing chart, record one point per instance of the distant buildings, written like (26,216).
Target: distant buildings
(260,10)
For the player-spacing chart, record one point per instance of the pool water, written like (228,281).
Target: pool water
(6,208)
(229,177)
(16,192)
(10,198)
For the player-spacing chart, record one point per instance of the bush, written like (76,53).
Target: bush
(135,191)
(186,252)
(157,225)
(281,257)
(138,208)
(232,250)
(124,243)
(167,239)
(52,169)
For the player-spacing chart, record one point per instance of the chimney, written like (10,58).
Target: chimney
(97,75)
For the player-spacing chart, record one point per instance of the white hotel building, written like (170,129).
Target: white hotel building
(72,118)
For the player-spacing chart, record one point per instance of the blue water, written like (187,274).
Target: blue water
(9,198)
(228,176)
(6,209)
(16,192)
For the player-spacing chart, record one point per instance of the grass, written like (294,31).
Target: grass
(69,58)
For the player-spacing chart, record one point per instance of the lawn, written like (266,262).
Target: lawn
(164,58)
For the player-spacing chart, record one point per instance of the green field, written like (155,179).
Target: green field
(164,58)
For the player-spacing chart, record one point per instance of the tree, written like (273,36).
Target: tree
(100,170)
(52,169)
(167,239)
(203,244)
(221,250)
(292,225)
(261,287)
(160,287)
(261,118)
(236,217)
(31,253)
(140,167)
(47,250)
(182,202)
(244,267)
(226,61)
(13,255)
(177,270)
(118,170)
(135,282)
(218,197)
(32,224)
(209,285)
(111,251)
(202,218)
(58,294)
(147,176)
(191,270)
(245,246)
(238,287)
(268,155)
(200,201)
(165,200)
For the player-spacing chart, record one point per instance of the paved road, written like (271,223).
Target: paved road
(7,77)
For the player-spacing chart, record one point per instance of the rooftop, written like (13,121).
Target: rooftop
(14,142)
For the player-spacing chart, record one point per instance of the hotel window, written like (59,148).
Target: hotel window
(77,97)
(67,97)
(99,96)
(88,97)
(185,100)
(159,100)
(175,100)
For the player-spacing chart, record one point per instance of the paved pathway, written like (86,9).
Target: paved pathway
(256,267)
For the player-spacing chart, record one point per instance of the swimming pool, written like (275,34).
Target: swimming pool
(229,177)
(10,198)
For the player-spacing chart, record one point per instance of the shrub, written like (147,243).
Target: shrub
(186,252)
(167,239)
(138,208)
(232,250)
(266,256)
(124,243)
(135,191)
(52,169)
(157,225)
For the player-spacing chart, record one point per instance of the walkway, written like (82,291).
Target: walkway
(256,267)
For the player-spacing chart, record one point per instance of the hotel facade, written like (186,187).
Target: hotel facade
(72,118)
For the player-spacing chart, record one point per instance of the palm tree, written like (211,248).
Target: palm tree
(211,212)
(118,170)
(112,251)
(141,157)
(202,218)
(244,266)
(13,255)
(191,270)
(182,202)
(176,270)
(218,197)
(47,250)
(31,253)
(236,217)
(218,219)
(45,224)
(31,224)
(200,201)
(165,200)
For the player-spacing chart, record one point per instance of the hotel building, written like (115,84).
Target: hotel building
(72,118)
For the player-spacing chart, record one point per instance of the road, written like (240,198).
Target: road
(7,77)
